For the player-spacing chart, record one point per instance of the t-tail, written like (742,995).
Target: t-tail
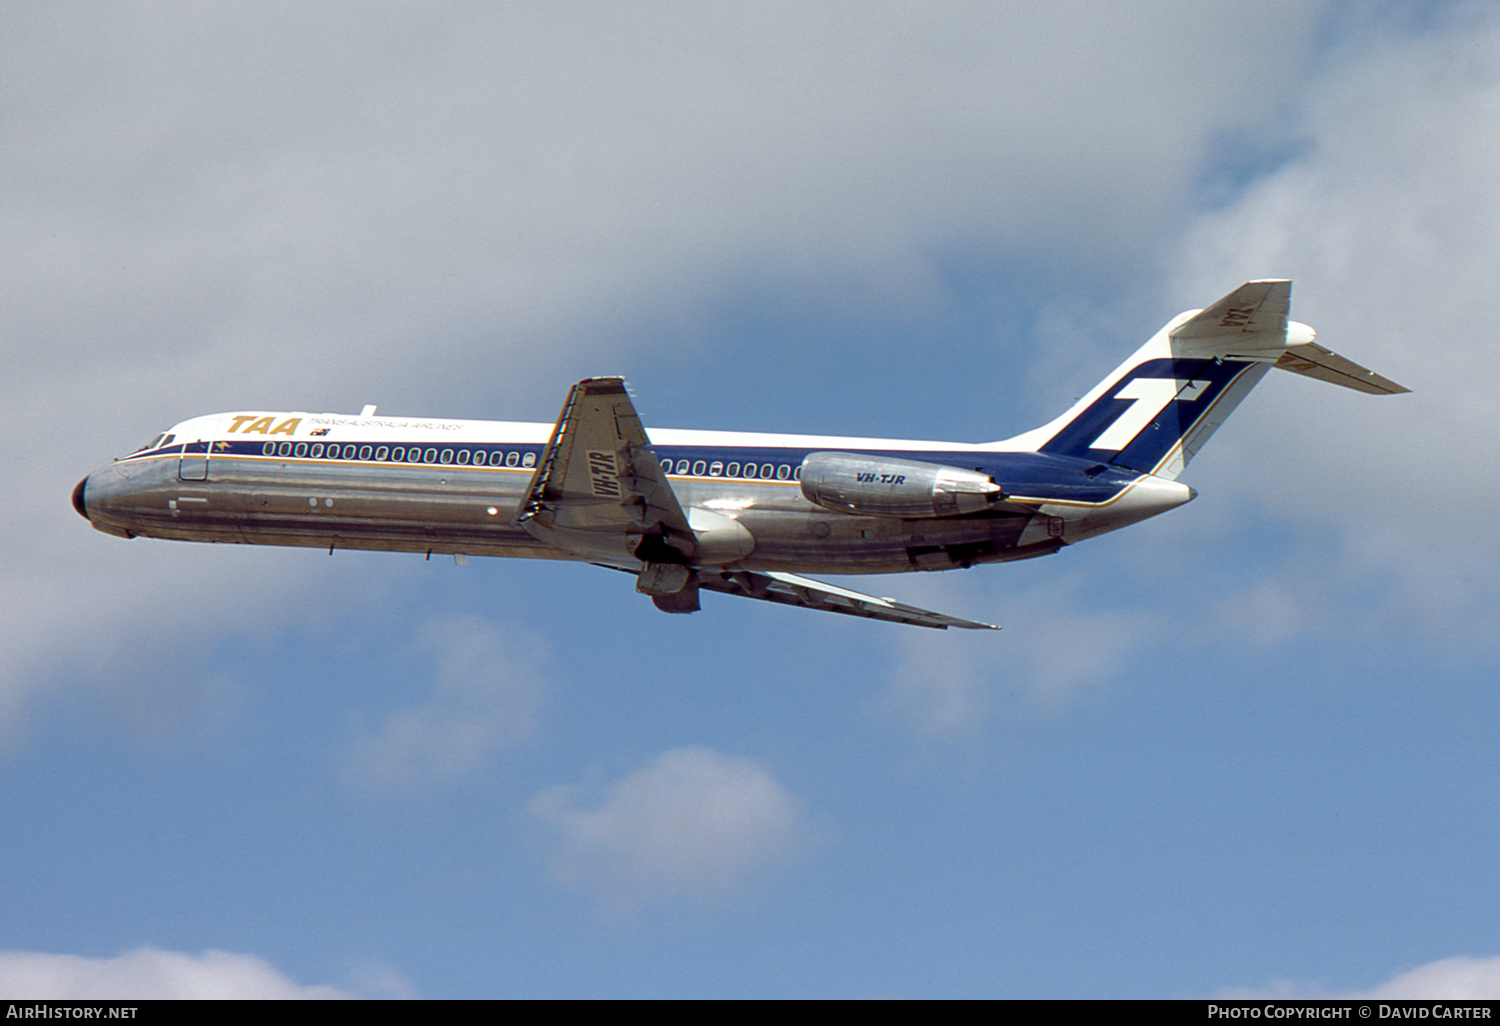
(1160,406)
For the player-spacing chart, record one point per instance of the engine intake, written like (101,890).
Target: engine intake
(884,487)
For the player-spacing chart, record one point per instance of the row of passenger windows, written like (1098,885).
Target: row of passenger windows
(478,458)
(399,454)
(766,471)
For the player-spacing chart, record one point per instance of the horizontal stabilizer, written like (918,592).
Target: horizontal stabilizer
(1251,324)
(1316,362)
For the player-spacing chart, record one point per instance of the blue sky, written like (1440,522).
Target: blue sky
(1246,748)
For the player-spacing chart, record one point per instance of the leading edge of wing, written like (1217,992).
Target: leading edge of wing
(792,590)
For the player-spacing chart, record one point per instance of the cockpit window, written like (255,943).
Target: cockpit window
(151,444)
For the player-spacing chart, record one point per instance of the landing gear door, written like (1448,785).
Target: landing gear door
(192,465)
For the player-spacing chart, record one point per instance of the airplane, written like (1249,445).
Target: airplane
(732,512)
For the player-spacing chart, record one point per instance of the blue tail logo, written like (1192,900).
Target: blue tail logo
(1147,413)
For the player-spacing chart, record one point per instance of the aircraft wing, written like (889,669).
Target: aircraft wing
(792,590)
(599,489)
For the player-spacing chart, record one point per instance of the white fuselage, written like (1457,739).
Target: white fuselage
(416,485)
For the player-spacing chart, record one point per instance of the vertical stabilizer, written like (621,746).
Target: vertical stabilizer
(1160,406)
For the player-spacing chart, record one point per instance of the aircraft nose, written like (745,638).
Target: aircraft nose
(110,498)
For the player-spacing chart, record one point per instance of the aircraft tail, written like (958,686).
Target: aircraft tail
(1160,406)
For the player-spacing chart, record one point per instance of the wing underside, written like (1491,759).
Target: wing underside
(793,590)
(599,490)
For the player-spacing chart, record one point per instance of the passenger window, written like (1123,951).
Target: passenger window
(463,457)
(511,459)
(316,452)
(300,450)
(699,468)
(365,451)
(350,450)
(429,456)
(783,472)
(529,460)
(398,454)
(733,470)
(682,466)
(716,469)
(380,453)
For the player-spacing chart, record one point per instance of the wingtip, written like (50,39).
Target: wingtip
(609,385)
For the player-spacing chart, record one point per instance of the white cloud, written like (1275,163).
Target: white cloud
(151,974)
(106,612)
(1390,220)
(1055,646)
(1461,978)
(939,689)
(359,181)
(693,824)
(486,695)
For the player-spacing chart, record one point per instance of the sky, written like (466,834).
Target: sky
(1246,748)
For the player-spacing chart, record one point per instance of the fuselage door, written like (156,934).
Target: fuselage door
(192,465)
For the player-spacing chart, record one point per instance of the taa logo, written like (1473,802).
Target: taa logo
(262,425)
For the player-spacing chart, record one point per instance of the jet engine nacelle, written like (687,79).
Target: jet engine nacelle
(884,487)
